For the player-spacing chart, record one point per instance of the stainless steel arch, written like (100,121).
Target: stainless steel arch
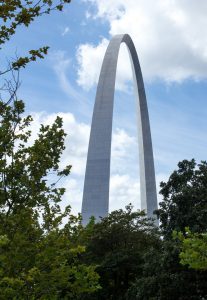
(96,187)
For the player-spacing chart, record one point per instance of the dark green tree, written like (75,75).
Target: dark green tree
(117,245)
(163,277)
(184,204)
(184,199)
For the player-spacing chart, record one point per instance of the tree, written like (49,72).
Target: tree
(24,168)
(193,249)
(117,246)
(38,259)
(163,277)
(184,204)
(184,199)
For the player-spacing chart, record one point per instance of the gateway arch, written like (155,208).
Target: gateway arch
(97,177)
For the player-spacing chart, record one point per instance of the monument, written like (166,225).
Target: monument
(97,177)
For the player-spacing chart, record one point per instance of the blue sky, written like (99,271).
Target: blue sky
(171,40)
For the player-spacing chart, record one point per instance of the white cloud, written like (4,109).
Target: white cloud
(124,189)
(124,153)
(90,63)
(76,141)
(60,64)
(122,143)
(170,37)
(65,31)
(88,14)
(73,194)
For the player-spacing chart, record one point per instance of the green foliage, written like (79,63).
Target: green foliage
(164,278)
(184,204)
(38,256)
(39,265)
(193,249)
(117,245)
(24,169)
(184,199)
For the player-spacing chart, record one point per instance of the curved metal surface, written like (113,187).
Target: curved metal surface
(96,186)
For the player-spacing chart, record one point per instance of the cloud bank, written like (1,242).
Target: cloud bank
(170,37)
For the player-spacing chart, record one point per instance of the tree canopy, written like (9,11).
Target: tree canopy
(184,205)
(38,258)
(193,249)
(117,245)
(184,199)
